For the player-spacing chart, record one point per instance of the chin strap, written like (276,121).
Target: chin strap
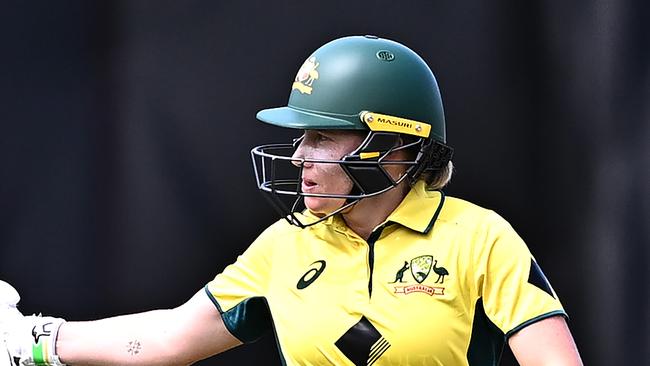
(293,219)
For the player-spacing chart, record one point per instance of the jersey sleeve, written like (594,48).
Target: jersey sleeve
(514,291)
(239,291)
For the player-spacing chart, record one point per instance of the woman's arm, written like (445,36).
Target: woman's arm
(180,336)
(546,342)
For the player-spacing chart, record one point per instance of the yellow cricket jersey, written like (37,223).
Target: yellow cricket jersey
(441,282)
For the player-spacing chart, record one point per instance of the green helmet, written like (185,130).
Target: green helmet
(350,75)
(358,83)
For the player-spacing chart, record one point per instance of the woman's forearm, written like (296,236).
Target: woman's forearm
(177,336)
(137,339)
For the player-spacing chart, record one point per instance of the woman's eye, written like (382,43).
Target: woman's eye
(322,137)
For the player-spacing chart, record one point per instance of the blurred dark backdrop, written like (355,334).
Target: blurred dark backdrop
(125,181)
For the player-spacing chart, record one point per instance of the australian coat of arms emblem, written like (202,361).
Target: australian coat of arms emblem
(421,267)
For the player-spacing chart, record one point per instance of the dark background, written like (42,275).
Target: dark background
(125,181)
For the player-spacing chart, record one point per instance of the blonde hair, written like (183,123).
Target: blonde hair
(438,179)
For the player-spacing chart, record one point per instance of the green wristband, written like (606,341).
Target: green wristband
(39,352)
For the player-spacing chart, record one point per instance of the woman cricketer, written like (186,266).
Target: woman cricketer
(370,264)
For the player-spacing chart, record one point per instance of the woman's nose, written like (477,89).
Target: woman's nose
(298,157)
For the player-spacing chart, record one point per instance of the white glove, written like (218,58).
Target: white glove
(8,300)
(26,340)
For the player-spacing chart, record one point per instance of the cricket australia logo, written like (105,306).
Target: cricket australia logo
(306,76)
(421,268)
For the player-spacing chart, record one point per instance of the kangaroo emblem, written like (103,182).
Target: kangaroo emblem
(399,276)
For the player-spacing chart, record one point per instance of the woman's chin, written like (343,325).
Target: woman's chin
(320,206)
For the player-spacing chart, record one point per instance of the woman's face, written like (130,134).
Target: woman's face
(324,177)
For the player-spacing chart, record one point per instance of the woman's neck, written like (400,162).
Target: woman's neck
(368,213)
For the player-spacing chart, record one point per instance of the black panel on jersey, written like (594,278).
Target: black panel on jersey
(249,320)
(487,341)
(536,278)
(362,343)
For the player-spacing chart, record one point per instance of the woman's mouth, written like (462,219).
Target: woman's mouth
(308,185)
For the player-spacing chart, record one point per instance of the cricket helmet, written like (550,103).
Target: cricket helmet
(360,83)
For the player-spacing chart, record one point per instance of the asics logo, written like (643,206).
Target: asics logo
(311,275)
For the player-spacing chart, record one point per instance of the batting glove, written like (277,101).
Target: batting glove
(25,340)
